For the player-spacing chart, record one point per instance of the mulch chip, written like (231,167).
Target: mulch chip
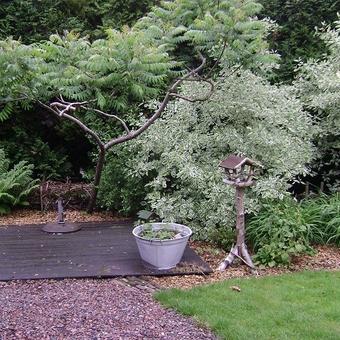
(326,258)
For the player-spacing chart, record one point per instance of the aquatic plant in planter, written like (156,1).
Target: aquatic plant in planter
(161,245)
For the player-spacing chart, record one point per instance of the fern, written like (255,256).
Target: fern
(6,112)
(4,162)
(15,184)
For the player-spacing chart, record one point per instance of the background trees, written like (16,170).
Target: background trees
(295,37)
(318,86)
(33,21)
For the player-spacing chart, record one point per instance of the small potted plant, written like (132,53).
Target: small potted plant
(161,244)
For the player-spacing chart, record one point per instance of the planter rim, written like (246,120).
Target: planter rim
(189,232)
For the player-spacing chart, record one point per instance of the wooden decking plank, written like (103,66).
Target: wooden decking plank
(102,249)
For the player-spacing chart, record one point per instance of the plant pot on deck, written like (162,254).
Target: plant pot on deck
(161,253)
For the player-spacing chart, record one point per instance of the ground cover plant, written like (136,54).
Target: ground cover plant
(294,306)
(323,213)
(287,228)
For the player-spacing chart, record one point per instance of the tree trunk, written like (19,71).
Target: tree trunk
(96,182)
(240,249)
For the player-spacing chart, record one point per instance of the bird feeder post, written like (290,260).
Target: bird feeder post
(239,173)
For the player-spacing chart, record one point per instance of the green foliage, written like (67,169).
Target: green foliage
(181,151)
(208,25)
(137,63)
(223,237)
(326,213)
(15,184)
(284,229)
(318,86)
(157,234)
(4,162)
(280,231)
(118,190)
(130,67)
(295,38)
(49,164)
(114,13)
(33,21)
(70,66)
(6,111)
(40,144)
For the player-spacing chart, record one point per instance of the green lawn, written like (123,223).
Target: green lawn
(294,306)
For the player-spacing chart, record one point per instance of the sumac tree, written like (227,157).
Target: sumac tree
(104,82)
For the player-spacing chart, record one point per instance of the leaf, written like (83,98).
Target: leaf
(144,214)
(236,288)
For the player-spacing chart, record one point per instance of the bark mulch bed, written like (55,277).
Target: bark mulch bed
(88,309)
(326,258)
(24,216)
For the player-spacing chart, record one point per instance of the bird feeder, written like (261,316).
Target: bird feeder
(239,172)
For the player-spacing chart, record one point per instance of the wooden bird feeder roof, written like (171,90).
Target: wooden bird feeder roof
(234,162)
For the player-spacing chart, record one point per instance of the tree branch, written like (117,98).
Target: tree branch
(62,107)
(193,100)
(202,99)
(108,115)
(66,108)
(135,133)
(218,59)
(6,100)
(63,101)
(75,120)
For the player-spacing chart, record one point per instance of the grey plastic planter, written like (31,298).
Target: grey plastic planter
(162,254)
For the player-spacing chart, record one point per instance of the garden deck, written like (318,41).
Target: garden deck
(99,250)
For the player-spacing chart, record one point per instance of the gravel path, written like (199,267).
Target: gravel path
(88,309)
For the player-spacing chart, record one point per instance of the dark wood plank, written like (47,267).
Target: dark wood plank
(101,249)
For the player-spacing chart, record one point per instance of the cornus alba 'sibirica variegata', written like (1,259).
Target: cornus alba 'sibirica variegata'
(318,86)
(245,114)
